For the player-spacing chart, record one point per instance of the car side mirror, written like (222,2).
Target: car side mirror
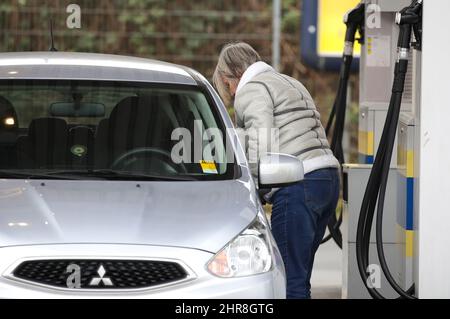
(279,170)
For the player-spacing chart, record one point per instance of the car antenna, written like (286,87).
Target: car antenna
(52,45)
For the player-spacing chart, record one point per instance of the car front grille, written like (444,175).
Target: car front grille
(100,274)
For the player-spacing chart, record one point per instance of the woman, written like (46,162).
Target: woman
(266,100)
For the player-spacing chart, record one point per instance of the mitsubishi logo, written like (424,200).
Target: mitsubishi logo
(96,280)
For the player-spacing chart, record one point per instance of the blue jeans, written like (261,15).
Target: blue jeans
(300,216)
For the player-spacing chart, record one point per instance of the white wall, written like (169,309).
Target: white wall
(433,240)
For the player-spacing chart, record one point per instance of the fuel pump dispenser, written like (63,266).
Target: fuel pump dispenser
(409,20)
(377,64)
(402,251)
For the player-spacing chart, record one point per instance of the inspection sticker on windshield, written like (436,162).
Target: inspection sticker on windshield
(208,167)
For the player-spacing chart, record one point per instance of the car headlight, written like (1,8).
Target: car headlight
(250,253)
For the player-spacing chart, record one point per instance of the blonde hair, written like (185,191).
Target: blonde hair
(234,59)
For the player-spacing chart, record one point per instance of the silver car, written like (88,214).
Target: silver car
(114,182)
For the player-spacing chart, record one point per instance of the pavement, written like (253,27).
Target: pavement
(326,279)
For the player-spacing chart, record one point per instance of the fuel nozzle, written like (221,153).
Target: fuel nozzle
(410,19)
(354,20)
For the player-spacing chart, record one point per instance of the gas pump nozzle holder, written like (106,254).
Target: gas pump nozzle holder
(354,20)
(410,18)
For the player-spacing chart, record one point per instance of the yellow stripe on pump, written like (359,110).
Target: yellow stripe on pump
(370,142)
(409,243)
(365,143)
(410,163)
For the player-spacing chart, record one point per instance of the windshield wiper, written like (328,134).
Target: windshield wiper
(107,174)
(16,174)
(110,174)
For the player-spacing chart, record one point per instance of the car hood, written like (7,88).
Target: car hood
(201,215)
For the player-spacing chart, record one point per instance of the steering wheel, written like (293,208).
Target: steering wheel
(147,152)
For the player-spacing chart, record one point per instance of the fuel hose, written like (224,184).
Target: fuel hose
(354,21)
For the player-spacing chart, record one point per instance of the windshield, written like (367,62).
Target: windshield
(110,130)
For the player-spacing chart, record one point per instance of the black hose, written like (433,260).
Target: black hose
(366,214)
(335,224)
(339,110)
(402,66)
(354,21)
(381,200)
(330,119)
(341,103)
(376,189)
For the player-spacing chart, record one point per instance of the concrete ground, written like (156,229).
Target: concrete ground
(326,280)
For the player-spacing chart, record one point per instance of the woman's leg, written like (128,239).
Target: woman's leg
(297,221)
(323,220)
(293,230)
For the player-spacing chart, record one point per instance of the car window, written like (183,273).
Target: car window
(111,130)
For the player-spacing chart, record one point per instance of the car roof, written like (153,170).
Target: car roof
(91,66)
